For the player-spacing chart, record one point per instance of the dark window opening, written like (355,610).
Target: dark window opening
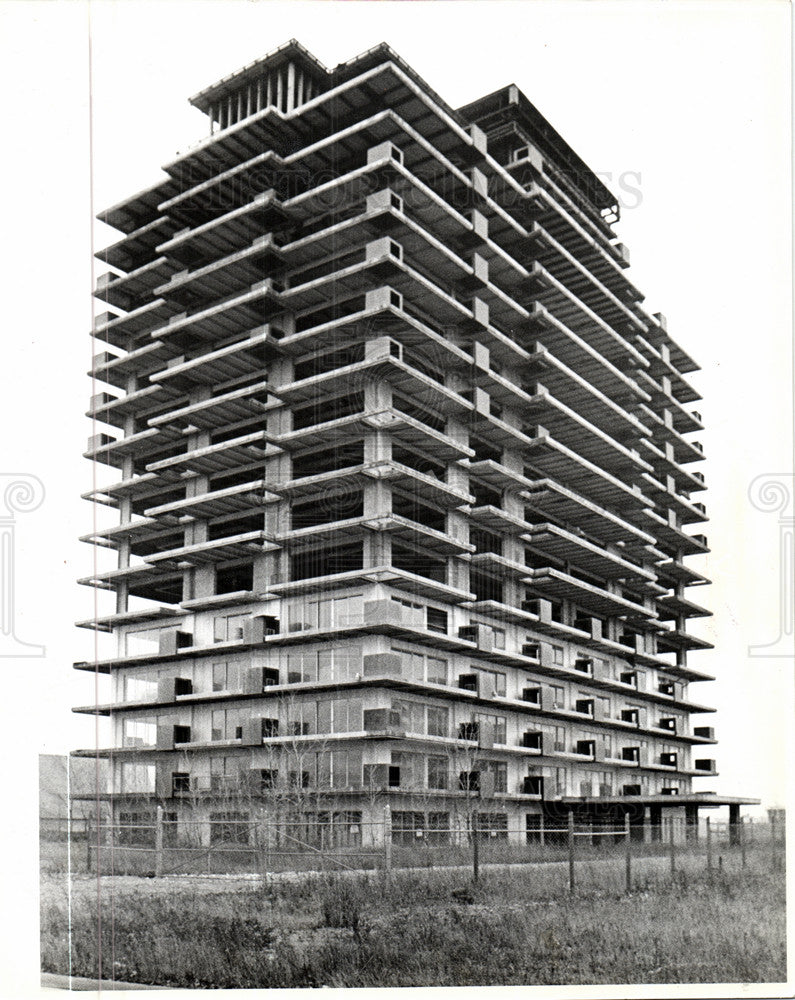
(229,579)
(336,310)
(485,541)
(485,587)
(432,420)
(436,620)
(325,509)
(234,526)
(484,451)
(420,463)
(328,460)
(321,363)
(413,559)
(237,478)
(413,510)
(469,781)
(180,781)
(484,495)
(323,410)
(326,561)
(469,731)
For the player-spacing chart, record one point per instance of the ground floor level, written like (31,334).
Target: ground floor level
(357,821)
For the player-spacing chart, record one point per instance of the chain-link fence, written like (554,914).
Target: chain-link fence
(229,843)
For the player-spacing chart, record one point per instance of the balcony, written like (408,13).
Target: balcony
(142,403)
(580,281)
(557,584)
(240,270)
(388,360)
(705,733)
(556,460)
(672,606)
(569,310)
(123,331)
(229,232)
(568,547)
(235,315)
(350,428)
(612,414)
(562,504)
(243,358)
(138,247)
(383,722)
(216,503)
(134,288)
(220,411)
(150,582)
(247,449)
(212,197)
(240,546)
(112,451)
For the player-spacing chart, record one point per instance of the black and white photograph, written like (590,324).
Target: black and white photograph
(398,506)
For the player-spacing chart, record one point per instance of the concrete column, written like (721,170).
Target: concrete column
(691,822)
(290,86)
(655,823)
(734,824)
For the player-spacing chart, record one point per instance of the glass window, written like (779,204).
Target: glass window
(220,677)
(493,681)
(218,725)
(346,769)
(437,620)
(137,778)
(229,628)
(437,670)
(499,769)
(411,715)
(302,718)
(302,667)
(139,733)
(438,721)
(438,773)
(142,642)
(139,688)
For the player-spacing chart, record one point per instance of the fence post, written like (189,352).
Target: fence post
(541,831)
(475,848)
(259,845)
(672,846)
(387,842)
(741,832)
(88,845)
(628,846)
(709,844)
(571,850)
(159,841)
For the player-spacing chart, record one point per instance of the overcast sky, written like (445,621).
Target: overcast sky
(681,107)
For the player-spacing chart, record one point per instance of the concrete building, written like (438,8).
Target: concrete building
(403,470)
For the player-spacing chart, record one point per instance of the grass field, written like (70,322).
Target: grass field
(517,926)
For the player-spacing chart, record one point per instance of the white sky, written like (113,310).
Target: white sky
(693,97)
